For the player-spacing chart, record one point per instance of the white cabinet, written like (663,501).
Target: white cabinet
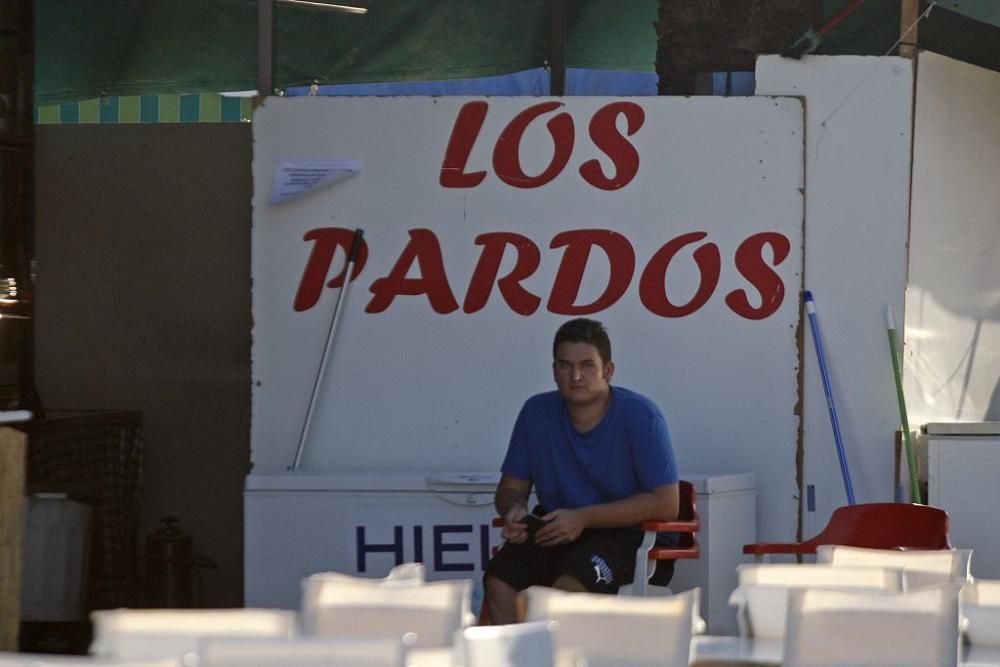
(727,505)
(963,478)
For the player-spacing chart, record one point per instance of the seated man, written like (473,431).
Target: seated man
(600,460)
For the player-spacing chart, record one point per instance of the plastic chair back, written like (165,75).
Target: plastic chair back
(921,567)
(887,526)
(359,652)
(407,574)
(838,628)
(762,596)
(980,609)
(803,575)
(344,606)
(649,556)
(872,525)
(517,645)
(617,631)
(50,660)
(150,634)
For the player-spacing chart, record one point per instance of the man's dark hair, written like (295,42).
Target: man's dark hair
(582,330)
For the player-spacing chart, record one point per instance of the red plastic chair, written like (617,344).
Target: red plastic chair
(873,526)
(687,523)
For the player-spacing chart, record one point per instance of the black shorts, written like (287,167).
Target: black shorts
(601,559)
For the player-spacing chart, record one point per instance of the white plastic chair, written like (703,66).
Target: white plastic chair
(921,567)
(407,574)
(50,660)
(341,606)
(516,645)
(840,628)
(980,608)
(616,631)
(301,652)
(149,634)
(403,573)
(761,598)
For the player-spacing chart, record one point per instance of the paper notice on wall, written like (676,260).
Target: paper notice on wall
(294,178)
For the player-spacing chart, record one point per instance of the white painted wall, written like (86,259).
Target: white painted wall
(858,115)
(952,358)
(412,389)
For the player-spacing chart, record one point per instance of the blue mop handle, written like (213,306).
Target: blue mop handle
(821,358)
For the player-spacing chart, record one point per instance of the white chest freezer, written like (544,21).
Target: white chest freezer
(364,523)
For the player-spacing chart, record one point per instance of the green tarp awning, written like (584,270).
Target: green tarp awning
(88,48)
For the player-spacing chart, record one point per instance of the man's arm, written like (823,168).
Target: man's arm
(660,504)
(511,502)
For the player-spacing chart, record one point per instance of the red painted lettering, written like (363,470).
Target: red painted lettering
(327,240)
(756,259)
(463,138)
(605,135)
(653,283)
(751,264)
(566,286)
(520,300)
(506,153)
(423,249)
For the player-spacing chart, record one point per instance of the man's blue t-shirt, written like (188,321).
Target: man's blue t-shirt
(626,453)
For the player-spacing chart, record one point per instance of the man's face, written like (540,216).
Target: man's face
(581,376)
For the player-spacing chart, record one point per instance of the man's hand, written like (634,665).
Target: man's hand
(514,530)
(563,527)
(511,501)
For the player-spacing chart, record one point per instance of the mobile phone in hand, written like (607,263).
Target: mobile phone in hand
(534,522)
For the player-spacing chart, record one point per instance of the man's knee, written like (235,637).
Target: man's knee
(496,587)
(569,583)
(501,600)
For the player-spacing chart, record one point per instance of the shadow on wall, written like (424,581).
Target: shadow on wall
(993,409)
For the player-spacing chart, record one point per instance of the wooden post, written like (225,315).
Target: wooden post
(13,445)
(909,11)
(265,48)
(557,48)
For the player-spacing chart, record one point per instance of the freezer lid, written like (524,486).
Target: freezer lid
(962,428)
(471,481)
(708,483)
(446,481)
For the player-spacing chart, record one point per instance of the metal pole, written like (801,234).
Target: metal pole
(351,259)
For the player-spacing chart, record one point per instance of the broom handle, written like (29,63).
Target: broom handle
(828,390)
(351,259)
(911,459)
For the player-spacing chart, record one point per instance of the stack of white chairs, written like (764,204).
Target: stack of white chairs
(616,631)
(151,634)
(343,606)
(305,652)
(920,567)
(833,628)
(763,590)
